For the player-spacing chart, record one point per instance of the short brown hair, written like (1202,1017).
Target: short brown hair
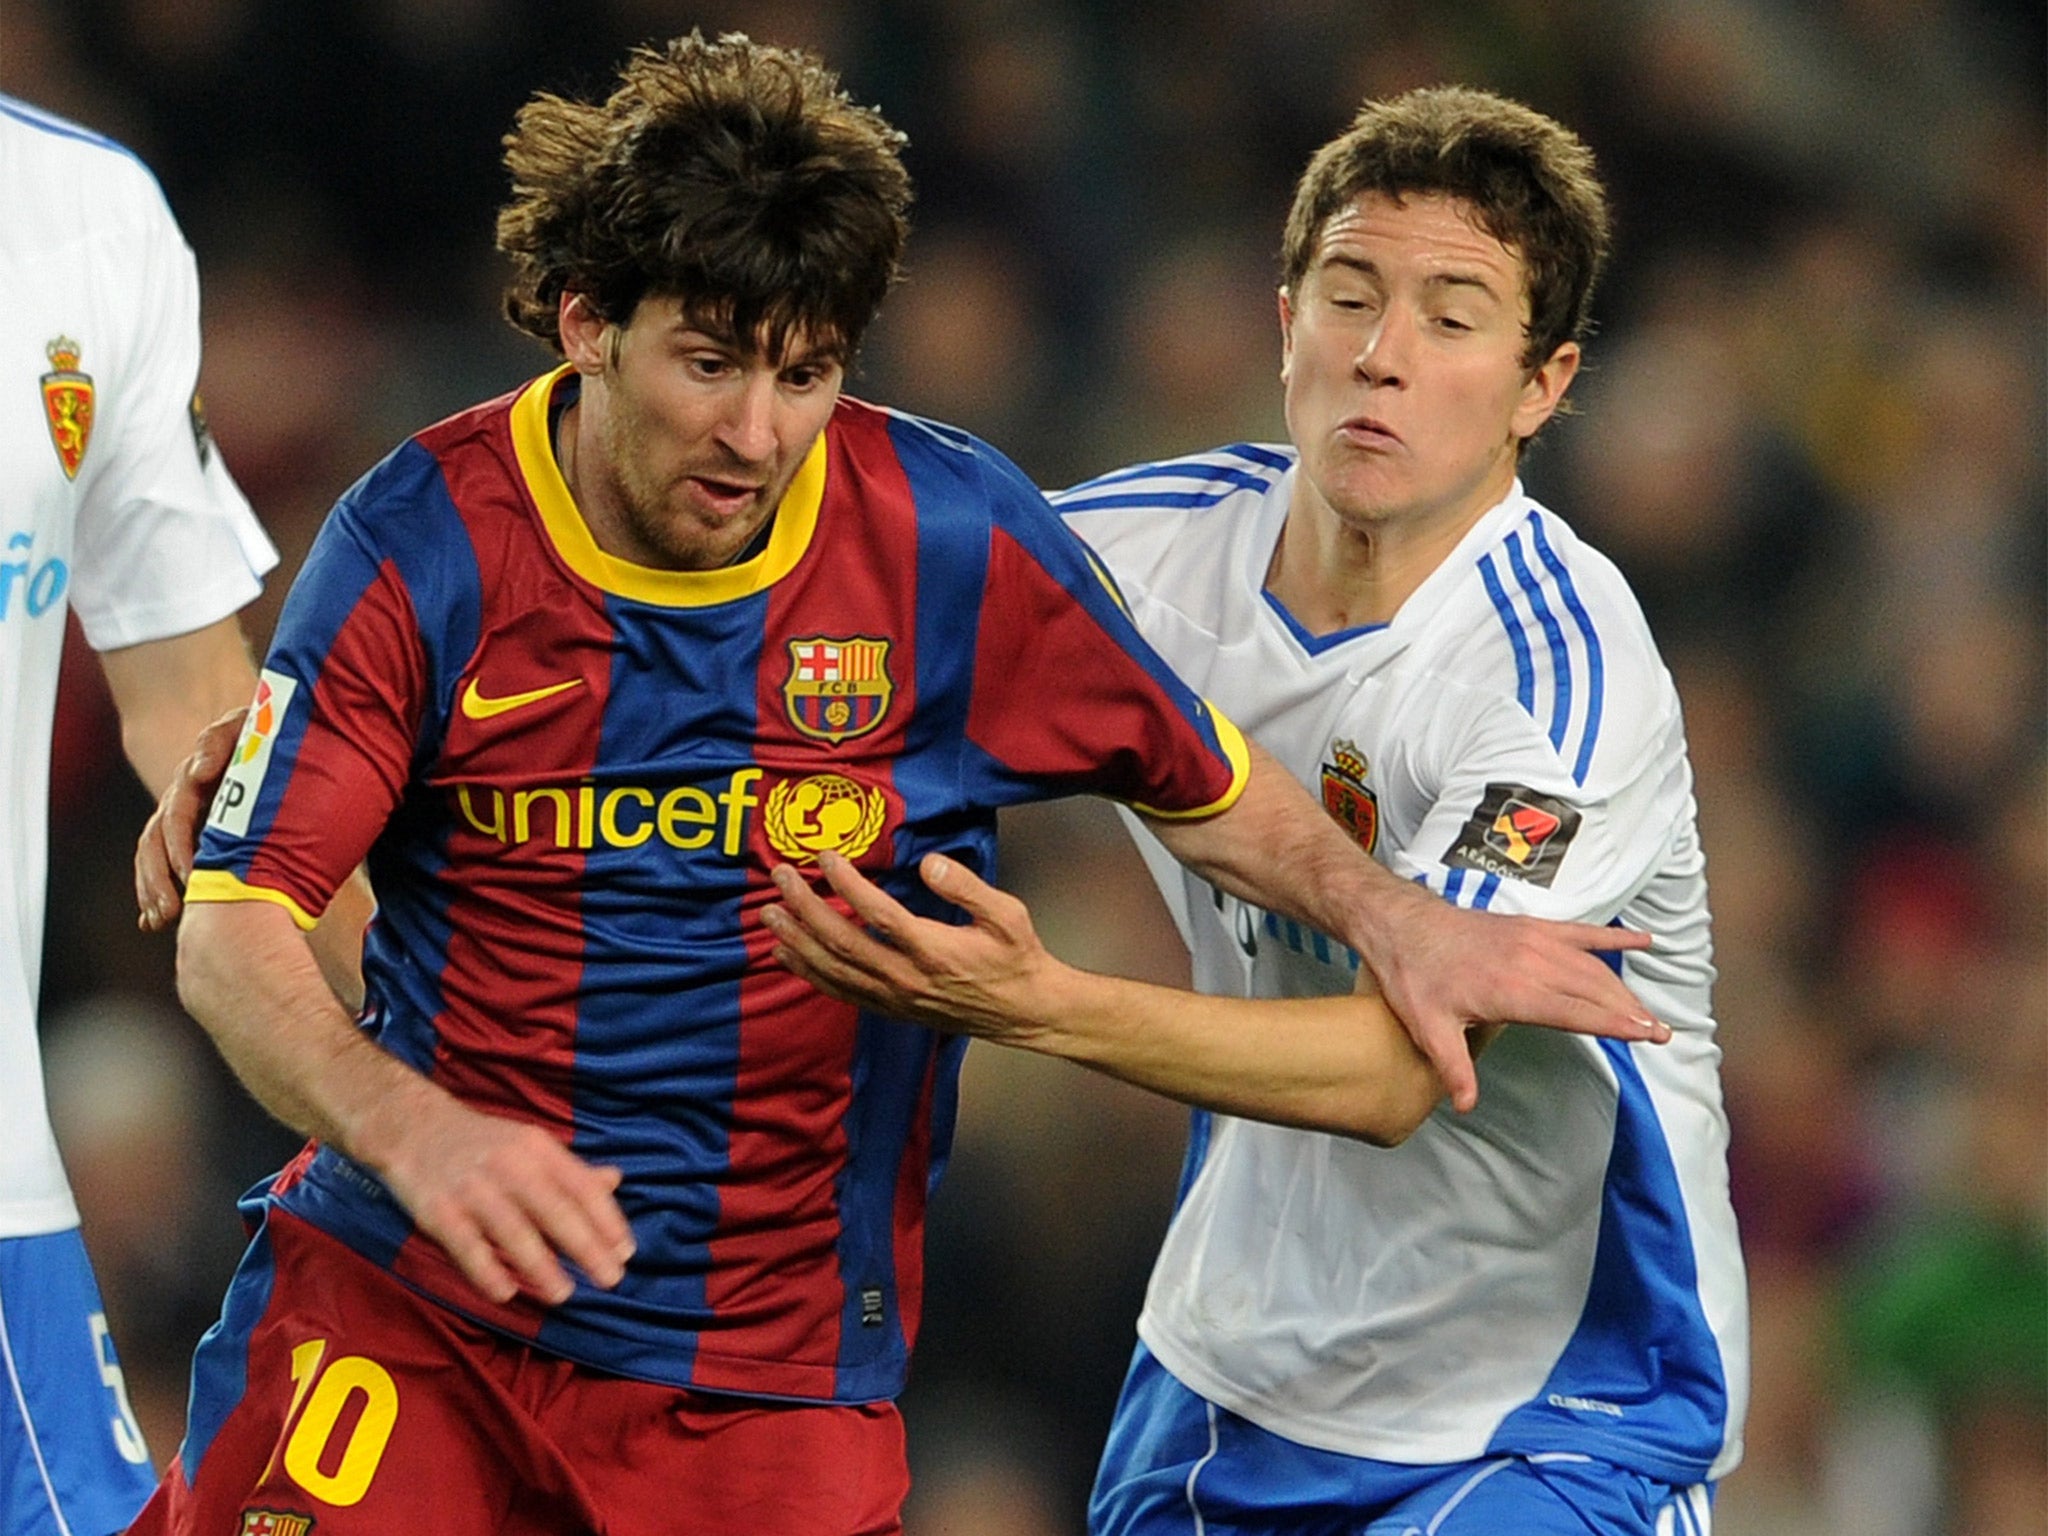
(733,176)
(1529,181)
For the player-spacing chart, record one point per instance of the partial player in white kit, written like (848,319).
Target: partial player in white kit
(113,503)
(1530,1318)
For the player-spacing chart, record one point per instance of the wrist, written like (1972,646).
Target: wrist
(383,1104)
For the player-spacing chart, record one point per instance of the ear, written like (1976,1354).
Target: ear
(1286,305)
(1544,389)
(582,329)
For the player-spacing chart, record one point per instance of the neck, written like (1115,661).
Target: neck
(1334,574)
(595,496)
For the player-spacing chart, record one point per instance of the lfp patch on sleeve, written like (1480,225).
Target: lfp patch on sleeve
(236,797)
(1517,833)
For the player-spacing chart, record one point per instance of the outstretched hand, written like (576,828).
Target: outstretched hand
(977,979)
(170,838)
(1443,969)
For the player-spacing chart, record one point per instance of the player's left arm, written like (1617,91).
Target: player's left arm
(1338,1064)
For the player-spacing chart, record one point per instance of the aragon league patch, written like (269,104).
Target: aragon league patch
(1517,833)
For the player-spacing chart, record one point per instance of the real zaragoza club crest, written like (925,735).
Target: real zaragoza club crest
(68,403)
(837,688)
(1346,797)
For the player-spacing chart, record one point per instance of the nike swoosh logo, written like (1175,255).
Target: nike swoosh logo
(478,707)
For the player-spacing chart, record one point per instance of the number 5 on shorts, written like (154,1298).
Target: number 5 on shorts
(308,1448)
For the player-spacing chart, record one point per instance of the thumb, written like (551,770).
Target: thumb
(1452,1059)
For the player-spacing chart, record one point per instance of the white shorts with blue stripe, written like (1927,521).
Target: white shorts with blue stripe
(72,1459)
(1178,1465)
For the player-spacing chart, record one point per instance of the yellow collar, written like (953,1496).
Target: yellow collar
(795,521)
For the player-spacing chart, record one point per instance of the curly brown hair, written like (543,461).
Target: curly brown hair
(734,176)
(1528,180)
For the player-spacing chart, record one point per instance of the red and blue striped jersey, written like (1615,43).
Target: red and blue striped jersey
(570,777)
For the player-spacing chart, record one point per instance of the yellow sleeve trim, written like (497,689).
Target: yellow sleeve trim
(1231,739)
(219,885)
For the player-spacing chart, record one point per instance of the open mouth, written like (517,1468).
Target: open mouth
(725,497)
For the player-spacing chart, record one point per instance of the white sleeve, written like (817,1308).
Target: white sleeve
(1512,830)
(165,542)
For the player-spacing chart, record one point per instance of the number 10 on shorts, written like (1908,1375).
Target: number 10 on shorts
(336,1469)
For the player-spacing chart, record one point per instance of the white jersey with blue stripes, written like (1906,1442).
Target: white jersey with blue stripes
(1557,1271)
(112,504)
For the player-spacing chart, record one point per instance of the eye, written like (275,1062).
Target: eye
(708,365)
(805,377)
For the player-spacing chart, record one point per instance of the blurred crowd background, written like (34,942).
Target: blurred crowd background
(1811,432)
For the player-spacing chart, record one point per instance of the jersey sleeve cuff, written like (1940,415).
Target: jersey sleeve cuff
(219,885)
(1231,740)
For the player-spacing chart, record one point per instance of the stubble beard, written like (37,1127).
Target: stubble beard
(675,539)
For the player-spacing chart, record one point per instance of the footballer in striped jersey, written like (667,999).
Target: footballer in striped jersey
(609,1222)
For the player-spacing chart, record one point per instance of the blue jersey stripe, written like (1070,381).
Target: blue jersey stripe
(1643,1346)
(1596,661)
(1511,622)
(57,127)
(1269,467)
(1201,1126)
(220,1365)
(1553,634)
(1086,503)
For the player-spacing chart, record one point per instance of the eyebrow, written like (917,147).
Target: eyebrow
(812,354)
(1366,267)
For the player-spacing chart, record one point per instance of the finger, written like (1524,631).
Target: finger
(874,906)
(805,955)
(825,923)
(512,1228)
(1601,936)
(1451,1055)
(178,821)
(156,895)
(1594,982)
(217,743)
(1587,1000)
(580,1220)
(463,1240)
(988,906)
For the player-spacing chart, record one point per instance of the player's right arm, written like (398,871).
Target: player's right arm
(322,765)
(503,1199)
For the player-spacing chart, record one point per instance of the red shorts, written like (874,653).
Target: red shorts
(333,1400)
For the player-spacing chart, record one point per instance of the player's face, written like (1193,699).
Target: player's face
(1402,359)
(687,439)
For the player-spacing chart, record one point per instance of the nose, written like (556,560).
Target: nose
(748,430)
(1385,356)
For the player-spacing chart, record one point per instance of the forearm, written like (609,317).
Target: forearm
(247,974)
(1338,1064)
(1278,849)
(168,691)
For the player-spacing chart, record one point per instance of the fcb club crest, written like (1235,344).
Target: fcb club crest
(274,1522)
(837,689)
(68,404)
(1346,797)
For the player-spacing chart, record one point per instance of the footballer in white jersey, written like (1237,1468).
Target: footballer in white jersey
(113,504)
(1556,1271)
